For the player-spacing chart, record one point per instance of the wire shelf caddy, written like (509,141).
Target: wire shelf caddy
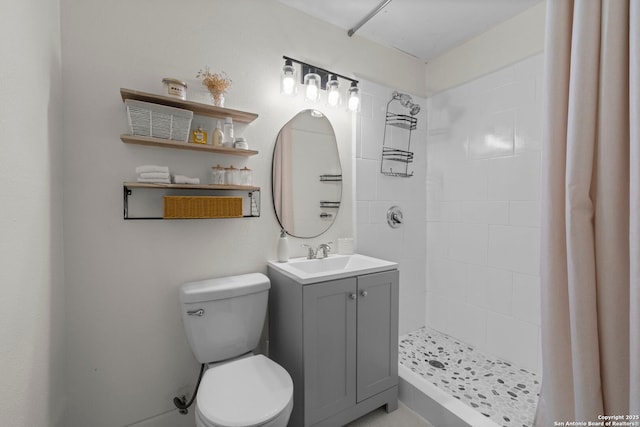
(395,161)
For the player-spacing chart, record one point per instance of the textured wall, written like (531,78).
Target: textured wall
(31,281)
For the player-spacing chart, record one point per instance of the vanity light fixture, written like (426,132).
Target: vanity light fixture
(316,79)
(354,97)
(333,91)
(288,78)
(312,84)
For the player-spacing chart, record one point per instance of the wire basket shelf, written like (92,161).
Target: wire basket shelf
(395,161)
(402,121)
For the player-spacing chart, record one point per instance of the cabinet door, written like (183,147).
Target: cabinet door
(377,333)
(329,325)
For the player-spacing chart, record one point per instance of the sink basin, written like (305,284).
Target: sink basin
(306,271)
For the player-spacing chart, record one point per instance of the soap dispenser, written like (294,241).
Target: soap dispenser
(283,247)
(217,136)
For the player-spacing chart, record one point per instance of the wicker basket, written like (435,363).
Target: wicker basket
(202,207)
(158,121)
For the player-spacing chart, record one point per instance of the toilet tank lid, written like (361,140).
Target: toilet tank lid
(223,287)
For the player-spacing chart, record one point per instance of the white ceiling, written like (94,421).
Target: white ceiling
(422,28)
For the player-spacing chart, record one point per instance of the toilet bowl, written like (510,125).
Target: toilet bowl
(223,319)
(250,392)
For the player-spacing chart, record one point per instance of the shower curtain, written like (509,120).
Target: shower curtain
(590,268)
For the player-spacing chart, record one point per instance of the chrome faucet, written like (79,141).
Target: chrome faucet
(320,253)
(325,248)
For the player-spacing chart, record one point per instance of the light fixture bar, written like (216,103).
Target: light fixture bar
(319,70)
(315,79)
(366,19)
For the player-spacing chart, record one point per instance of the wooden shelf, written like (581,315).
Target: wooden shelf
(196,107)
(149,207)
(134,184)
(152,205)
(167,143)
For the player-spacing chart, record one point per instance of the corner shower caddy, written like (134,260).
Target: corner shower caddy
(395,157)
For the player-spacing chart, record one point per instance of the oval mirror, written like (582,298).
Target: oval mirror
(306,175)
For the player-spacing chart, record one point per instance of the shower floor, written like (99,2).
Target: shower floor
(505,393)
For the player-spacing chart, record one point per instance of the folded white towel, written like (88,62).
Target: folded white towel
(181,179)
(152,168)
(155,180)
(154,175)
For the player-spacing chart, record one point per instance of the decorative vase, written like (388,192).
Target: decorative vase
(217,99)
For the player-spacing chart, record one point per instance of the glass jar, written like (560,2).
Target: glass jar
(231,176)
(217,175)
(175,88)
(241,144)
(246,176)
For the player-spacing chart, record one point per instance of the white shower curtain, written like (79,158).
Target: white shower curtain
(591,212)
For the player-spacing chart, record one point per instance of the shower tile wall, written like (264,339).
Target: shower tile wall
(483,212)
(375,193)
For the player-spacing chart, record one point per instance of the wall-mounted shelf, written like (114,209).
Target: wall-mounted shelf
(149,195)
(167,143)
(196,107)
(191,186)
(151,206)
(401,121)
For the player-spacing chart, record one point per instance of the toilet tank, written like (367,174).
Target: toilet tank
(223,317)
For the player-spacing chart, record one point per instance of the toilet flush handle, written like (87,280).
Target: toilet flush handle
(199,312)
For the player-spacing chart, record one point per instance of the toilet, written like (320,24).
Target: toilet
(223,319)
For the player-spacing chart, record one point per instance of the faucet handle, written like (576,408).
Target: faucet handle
(310,252)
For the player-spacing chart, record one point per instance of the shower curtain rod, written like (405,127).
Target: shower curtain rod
(366,19)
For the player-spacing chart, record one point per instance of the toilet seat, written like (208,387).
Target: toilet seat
(248,392)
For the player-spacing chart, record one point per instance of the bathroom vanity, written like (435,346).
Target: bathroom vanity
(333,325)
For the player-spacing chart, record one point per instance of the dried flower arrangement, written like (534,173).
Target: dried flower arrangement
(216,83)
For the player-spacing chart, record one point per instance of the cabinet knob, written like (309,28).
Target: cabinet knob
(352,296)
(363,293)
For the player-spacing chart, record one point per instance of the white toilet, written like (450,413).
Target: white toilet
(223,319)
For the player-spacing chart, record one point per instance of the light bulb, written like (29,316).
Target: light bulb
(354,97)
(312,90)
(288,84)
(288,79)
(333,98)
(312,86)
(333,92)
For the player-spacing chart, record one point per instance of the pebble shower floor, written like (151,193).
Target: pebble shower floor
(499,390)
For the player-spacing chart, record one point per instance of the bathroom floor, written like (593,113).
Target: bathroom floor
(499,390)
(401,417)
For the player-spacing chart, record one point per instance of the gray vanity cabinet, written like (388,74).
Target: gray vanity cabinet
(377,337)
(329,348)
(339,341)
